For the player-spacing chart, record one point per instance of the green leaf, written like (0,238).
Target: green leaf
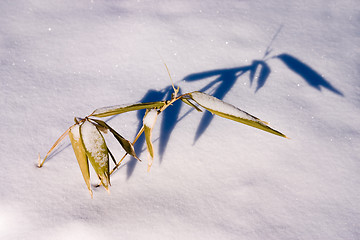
(80,154)
(114,110)
(96,151)
(127,145)
(149,122)
(226,110)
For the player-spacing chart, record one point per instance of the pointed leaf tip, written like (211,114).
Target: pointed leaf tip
(226,110)
(96,151)
(118,109)
(149,122)
(79,150)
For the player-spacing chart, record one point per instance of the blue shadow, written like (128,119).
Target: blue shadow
(313,78)
(169,120)
(259,72)
(150,96)
(226,79)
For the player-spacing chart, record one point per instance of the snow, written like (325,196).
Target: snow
(217,105)
(75,131)
(150,118)
(94,143)
(212,178)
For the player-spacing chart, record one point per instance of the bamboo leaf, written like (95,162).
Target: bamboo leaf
(185,100)
(101,128)
(96,151)
(127,145)
(149,122)
(226,110)
(117,109)
(80,154)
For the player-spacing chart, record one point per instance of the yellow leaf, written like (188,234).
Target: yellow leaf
(226,110)
(149,122)
(80,154)
(117,109)
(96,151)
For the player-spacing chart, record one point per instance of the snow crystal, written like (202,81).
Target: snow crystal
(94,143)
(216,104)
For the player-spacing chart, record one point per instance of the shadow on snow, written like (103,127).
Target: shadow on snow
(259,71)
(168,122)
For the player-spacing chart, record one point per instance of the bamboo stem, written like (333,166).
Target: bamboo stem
(40,164)
(136,138)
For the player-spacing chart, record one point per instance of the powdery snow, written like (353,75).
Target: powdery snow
(216,104)
(150,118)
(94,143)
(211,178)
(75,130)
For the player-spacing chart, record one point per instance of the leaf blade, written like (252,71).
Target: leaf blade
(186,101)
(79,150)
(126,144)
(118,109)
(149,122)
(96,151)
(226,110)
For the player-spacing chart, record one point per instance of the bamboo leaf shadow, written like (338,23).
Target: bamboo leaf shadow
(313,78)
(169,120)
(264,72)
(226,79)
(150,96)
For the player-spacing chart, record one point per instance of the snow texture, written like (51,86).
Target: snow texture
(212,178)
(75,131)
(150,118)
(94,143)
(217,105)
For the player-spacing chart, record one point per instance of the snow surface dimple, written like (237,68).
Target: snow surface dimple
(150,118)
(216,104)
(94,143)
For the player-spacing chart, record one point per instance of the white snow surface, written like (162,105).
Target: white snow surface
(61,59)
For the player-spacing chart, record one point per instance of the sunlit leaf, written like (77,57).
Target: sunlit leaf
(226,110)
(80,154)
(101,128)
(113,110)
(149,122)
(185,100)
(96,151)
(127,145)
